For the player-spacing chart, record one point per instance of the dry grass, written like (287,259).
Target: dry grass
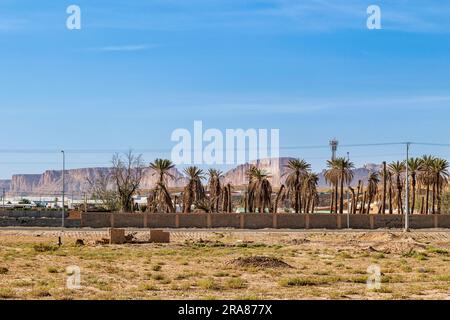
(324,265)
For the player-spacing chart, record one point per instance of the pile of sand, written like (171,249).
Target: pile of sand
(259,262)
(388,242)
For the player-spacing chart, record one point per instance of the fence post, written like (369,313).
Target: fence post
(208,220)
(177,220)
(145,219)
(275,221)
(111,220)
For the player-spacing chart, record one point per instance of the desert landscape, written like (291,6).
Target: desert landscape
(226,264)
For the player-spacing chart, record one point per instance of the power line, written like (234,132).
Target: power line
(149,150)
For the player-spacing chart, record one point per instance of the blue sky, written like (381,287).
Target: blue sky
(137,70)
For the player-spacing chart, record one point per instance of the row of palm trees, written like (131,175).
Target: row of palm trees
(300,190)
(428,177)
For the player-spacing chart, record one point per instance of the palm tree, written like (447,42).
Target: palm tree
(372,188)
(397,168)
(194,191)
(226,198)
(415,166)
(215,188)
(310,188)
(280,197)
(332,177)
(159,199)
(340,171)
(260,189)
(440,170)
(297,170)
(427,178)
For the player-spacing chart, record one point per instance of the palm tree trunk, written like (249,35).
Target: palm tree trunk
(422,206)
(245,201)
(341,201)
(383,205)
(433,210)
(357,197)
(427,199)
(229,207)
(413,202)
(369,201)
(277,199)
(299,199)
(332,200)
(353,199)
(336,198)
(439,191)
(363,205)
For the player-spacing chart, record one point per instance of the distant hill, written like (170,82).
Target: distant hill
(49,182)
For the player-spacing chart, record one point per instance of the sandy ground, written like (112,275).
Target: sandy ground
(221,264)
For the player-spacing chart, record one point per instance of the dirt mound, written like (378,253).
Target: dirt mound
(388,242)
(259,261)
(379,236)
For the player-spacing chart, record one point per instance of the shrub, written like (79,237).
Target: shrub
(236,283)
(208,284)
(41,247)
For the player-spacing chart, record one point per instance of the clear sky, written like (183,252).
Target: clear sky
(137,70)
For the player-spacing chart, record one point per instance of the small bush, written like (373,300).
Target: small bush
(437,250)
(41,247)
(6,293)
(52,270)
(301,282)
(149,287)
(236,283)
(208,284)
(156,267)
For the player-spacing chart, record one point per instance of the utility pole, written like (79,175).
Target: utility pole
(407,189)
(63,184)
(348,197)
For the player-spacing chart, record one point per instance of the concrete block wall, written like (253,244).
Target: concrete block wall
(259,221)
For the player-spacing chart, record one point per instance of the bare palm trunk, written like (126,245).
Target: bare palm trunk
(332,200)
(353,199)
(427,199)
(413,201)
(229,206)
(341,201)
(336,199)
(383,206)
(277,199)
(433,209)
(363,206)
(299,199)
(422,206)
(358,194)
